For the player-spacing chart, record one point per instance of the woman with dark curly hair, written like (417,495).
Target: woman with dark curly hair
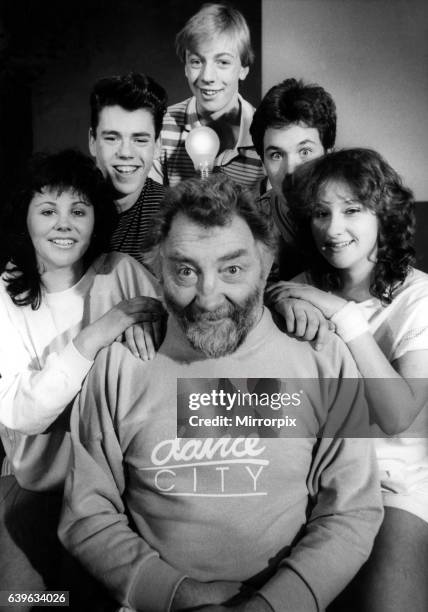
(356,224)
(62,299)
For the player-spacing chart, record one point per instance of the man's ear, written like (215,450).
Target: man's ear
(91,142)
(185,70)
(267,257)
(243,73)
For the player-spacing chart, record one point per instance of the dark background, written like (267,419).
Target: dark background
(52,52)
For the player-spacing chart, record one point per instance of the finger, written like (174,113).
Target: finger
(276,285)
(322,335)
(278,294)
(130,341)
(146,342)
(301,323)
(144,303)
(312,326)
(290,321)
(140,342)
(143,316)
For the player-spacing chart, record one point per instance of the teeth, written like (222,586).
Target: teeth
(63,242)
(209,92)
(126,169)
(338,245)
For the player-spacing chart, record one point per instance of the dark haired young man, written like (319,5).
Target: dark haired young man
(294,123)
(126,118)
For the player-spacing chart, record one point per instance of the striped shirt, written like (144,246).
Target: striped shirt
(241,163)
(133,228)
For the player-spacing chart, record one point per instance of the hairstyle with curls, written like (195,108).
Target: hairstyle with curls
(67,170)
(212,202)
(378,187)
(130,91)
(293,102)
(210,21)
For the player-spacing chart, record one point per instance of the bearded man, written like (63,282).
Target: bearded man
(233,519)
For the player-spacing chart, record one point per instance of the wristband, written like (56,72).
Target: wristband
(350,322)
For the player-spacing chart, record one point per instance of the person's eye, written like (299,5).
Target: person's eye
(275,156)
(352,210)
(194,62)
(47,212)
(319,213)
(305,153)
(224,63)
(185,273)
(110,138)
(232,270)
(79,212)
(142,141)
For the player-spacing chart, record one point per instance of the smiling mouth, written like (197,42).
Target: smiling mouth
(126,169)
(63,242)
(210,93)
(337,246)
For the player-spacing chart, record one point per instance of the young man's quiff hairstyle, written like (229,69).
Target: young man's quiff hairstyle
(130,91)
(293,102)
(211,21)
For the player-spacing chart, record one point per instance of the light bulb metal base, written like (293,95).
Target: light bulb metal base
(204,170)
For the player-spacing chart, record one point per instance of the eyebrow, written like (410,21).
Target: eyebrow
(216,56)
(347,201)
(116,133)
(52,203)
(179,258)
(302,142)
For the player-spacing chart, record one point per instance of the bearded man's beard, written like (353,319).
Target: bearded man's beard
(221,331)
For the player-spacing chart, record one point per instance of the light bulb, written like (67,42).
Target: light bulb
(202,145)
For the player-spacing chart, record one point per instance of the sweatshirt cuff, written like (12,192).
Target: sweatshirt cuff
(286,591)
(155,586)
(75,364)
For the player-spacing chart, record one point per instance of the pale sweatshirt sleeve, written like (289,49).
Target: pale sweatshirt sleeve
(30,398)
(346,513)
(94,526)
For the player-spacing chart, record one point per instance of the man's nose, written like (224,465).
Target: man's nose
(209,297)
(207,73)
(292,164)
(125,149)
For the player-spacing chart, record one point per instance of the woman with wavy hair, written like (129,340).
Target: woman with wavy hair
(62,299)
(356,224)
